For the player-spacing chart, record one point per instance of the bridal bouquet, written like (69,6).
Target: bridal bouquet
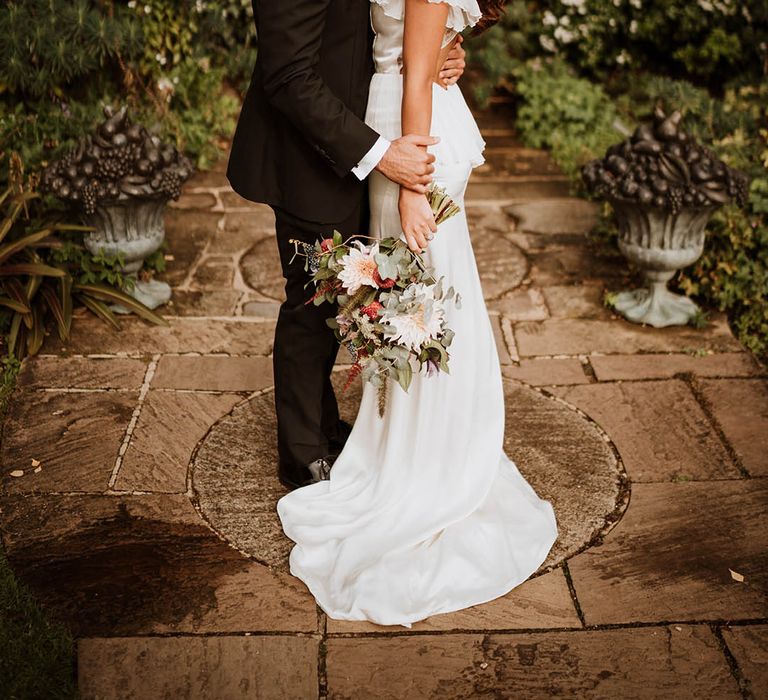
(391,308)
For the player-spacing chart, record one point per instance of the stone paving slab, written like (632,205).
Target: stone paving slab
(260,268)
(661,365)
(541,602)
(749,646)
(505,358)
(203,668)
(668,559)
(46,371)
(546,372)
(169,427)
(261,309)
(576,264)
(75,436)
(561,454)
(259,219)
(236,242)
(202,335)
(581,336)
(194,200)
(111,566)
(207,178)
(186,234)
(648,663)
(213,373)
(195,302)
(525,304)
(502,265)
(214,274)
(659,428)
(564,215)
(576,301)
(741,408)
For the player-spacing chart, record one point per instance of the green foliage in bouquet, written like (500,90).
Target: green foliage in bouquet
(390,306)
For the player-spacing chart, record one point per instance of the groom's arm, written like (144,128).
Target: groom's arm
(290,37)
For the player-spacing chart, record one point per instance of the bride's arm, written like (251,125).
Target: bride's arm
(422,40)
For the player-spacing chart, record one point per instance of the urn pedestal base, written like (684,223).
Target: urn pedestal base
(659,243)
(152,294)
(134,228)
(656,305)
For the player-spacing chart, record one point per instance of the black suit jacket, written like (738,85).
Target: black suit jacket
(301,129)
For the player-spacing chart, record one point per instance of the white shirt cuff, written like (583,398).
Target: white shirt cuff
(371,159)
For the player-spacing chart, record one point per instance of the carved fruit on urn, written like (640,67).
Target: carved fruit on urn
(663,187)
(120,179)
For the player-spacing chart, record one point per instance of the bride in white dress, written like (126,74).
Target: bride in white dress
(423,512)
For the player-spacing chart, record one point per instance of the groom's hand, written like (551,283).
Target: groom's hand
(454,65)
(407,162)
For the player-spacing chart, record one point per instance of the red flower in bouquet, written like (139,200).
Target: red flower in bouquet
(326,244)
(383,283)
(372,310)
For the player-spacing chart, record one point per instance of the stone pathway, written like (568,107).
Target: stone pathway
(151,529)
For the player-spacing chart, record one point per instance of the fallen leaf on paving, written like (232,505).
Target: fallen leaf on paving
(736,576)
(35,462)
(17,473)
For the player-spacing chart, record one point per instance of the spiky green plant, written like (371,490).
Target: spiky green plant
(35,285)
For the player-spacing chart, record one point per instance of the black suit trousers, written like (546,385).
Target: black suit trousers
(305,348)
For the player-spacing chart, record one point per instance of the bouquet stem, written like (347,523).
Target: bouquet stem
(382,397)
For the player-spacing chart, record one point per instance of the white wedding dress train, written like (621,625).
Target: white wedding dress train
(423,512)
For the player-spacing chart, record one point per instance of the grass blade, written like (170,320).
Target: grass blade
(100,309)
(31,269)
(14,304)
(116,296)
(52,301)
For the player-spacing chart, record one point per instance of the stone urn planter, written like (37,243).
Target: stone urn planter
(120,179)
(663,188)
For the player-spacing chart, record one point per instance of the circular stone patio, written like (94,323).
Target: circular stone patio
(502,265)
(564,456)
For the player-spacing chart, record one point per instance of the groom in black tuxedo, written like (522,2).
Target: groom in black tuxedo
(302,147)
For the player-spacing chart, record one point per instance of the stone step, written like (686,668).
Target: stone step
(517,187)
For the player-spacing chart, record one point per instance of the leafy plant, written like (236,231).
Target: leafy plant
(708,42)
(37,278)
(493,55)
(571,115)
(57,42)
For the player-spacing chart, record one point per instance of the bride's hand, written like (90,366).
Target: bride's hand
(417,219)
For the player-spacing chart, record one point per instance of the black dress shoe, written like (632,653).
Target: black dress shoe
(319,470)
(337,442)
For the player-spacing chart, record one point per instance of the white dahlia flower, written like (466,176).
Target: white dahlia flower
(358,267)
(422,319)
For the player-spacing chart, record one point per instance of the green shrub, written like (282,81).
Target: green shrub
(708,42)
(570,115)
(61,61)
(53,44)
(493,56)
